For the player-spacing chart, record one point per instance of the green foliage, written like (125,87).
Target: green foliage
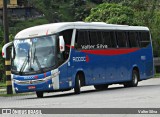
(64,10)
(112,13)
(80,10)
(50,8)
(155,30)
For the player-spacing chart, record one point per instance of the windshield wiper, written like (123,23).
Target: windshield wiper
(24,63)
(38,63)
(34,57)
(34,54)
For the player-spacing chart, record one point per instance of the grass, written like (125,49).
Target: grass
(4,94)
(2,84)
(157,75)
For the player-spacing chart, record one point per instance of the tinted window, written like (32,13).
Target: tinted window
(144,39)
(67,35)
(132,36)
(122,39)
(81,39)
(96,40)
(93,38)
(99,37)
(109,39)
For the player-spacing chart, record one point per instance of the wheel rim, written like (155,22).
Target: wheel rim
(79,83)
(135,77)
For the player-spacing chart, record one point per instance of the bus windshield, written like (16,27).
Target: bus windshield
(33,55)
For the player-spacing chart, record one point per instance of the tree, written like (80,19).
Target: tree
(49,8)
(112,13)
(80,9)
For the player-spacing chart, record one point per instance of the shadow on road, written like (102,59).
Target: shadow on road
(67,94)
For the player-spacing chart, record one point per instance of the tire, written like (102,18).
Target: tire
(101,87)
(77,88)
(39,94)
(135,79)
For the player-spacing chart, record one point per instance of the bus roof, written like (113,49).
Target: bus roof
(53,28)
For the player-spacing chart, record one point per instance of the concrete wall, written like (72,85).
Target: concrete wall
(13,3)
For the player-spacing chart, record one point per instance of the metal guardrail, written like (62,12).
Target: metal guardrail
(156,61)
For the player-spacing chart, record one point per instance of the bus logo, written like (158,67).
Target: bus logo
(81,59)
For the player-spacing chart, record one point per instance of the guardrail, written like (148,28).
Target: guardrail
(156,61)
(157,64)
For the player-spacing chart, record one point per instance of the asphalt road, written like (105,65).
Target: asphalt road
(146,95)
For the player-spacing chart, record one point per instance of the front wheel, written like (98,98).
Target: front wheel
(77,88)
(135,79)
(39,94)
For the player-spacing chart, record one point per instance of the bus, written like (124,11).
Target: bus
(70,55)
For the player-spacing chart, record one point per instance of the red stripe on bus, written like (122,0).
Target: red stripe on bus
(70,46)
(111,51)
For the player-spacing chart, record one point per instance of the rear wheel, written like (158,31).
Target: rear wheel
(101,87)
(39,94)
(135,79)
(77,88)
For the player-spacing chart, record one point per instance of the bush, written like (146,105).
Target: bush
(112,13)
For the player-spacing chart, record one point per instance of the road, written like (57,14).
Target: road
(146,95)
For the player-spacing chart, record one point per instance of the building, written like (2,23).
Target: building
(11,4)
(18,10)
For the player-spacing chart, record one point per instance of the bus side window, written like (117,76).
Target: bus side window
(144,39)
(109,39)
(100,38)
(93,37)
(132,36)
(82,39)
(122,39)
(67,35)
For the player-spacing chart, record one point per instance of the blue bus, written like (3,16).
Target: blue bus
(70,55)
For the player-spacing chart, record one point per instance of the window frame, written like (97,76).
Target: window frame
(126,39)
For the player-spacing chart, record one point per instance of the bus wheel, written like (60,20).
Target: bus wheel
(39,94)
(135,78)
(101,87)
(77,88)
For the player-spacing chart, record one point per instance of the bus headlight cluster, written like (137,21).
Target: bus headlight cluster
(16,89)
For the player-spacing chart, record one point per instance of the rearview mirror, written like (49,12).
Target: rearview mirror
(61,44)
(4,49)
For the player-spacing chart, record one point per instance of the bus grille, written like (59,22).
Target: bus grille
(30,81)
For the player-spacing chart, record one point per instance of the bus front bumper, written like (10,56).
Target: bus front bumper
(31,86)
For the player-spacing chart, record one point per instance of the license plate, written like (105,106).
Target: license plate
(31,87)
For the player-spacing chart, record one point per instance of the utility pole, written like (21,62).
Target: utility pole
(6,38)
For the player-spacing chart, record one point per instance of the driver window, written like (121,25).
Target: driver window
(67,35)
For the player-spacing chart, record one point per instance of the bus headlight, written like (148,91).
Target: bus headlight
(16,89)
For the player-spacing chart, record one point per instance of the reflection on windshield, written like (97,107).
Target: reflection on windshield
(33,54)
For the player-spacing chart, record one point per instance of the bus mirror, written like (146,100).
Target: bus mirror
(61,44)
(4,49)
